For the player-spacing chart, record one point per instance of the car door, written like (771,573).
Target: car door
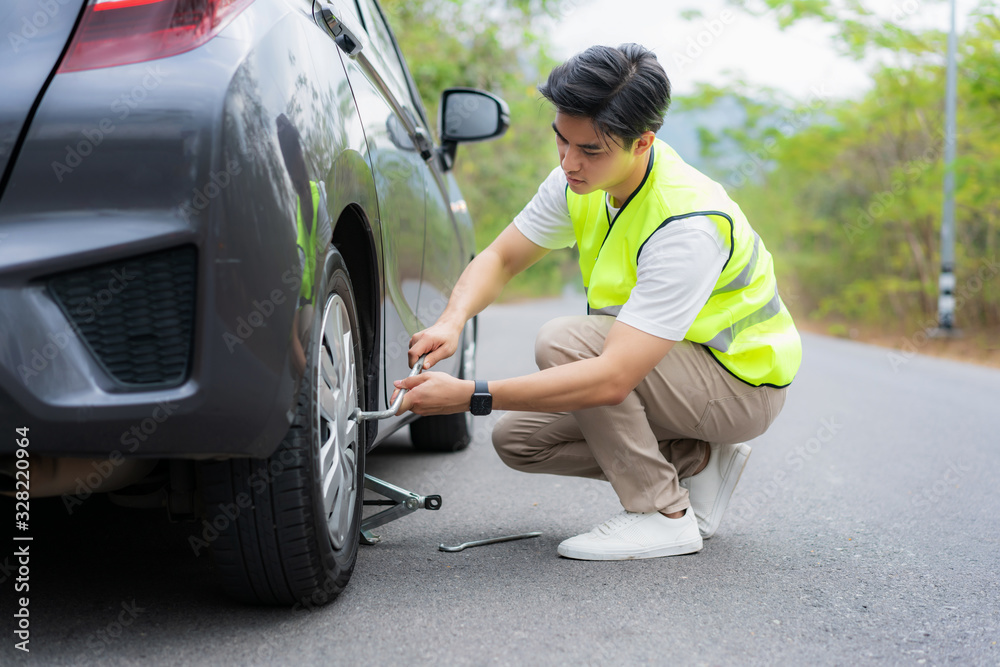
(387,113)
(445,249)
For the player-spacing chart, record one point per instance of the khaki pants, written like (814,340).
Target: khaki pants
(656,436)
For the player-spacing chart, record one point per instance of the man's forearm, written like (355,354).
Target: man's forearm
(478,286)
(627,357)
(578,385)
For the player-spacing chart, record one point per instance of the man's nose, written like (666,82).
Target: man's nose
(570,162)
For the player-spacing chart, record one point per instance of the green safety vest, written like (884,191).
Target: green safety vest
(744,323)
(306,240)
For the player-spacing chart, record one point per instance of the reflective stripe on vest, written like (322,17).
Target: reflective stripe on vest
(306,240)
(743,279)
(744,324)
(724,339)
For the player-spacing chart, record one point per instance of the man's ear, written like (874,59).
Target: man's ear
(643,143)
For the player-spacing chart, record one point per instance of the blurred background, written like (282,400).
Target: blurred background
(824,120)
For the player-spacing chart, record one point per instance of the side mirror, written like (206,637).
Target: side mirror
(469,115)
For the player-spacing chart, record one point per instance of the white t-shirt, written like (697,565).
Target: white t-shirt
(677,271)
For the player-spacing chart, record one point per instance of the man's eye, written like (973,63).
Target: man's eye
(590,153)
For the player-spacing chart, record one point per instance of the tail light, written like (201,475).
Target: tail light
(120,32)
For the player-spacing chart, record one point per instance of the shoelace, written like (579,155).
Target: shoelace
(616,522)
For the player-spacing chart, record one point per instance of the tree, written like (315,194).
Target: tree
(492,46)
(850,202)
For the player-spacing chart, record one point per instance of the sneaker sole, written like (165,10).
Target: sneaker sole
(672,550)
(726,490)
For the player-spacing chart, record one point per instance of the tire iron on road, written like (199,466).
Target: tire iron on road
(492,540)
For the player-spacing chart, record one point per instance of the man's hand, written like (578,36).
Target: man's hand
(433,393)
(480,284)
(439,340)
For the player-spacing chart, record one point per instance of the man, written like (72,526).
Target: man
(686,350)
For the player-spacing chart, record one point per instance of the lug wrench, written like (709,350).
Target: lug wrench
(492,540)
(400,501)
(359,416)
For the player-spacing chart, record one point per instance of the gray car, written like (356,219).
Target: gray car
(220,223)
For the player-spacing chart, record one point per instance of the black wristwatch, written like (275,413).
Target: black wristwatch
(482,399)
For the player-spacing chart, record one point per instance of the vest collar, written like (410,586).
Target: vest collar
(645,179)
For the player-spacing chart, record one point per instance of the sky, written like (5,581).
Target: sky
(801,61)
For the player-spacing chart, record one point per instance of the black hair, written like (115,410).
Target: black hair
(624,90)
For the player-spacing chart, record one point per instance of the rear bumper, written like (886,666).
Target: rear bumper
(124,161)
(234,399)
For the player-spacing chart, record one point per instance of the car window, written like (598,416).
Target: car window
(379,34)
(355,9)
(352,12)
(388,45)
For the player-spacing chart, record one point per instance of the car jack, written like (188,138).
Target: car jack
(401,502)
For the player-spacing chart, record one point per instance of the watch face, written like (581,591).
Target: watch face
(482,404)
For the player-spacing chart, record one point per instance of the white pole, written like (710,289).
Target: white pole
(946,282)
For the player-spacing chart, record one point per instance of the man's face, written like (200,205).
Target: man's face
(590,162)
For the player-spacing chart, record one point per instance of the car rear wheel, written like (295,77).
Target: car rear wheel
(449,433)
(292,537)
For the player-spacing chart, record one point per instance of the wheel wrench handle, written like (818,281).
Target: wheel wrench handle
(492,540)
(360,416)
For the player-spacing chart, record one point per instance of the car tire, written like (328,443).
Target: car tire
(449,433)
(291,522)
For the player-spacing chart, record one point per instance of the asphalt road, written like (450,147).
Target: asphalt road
(865,530)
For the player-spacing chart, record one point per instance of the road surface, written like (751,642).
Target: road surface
(865,530)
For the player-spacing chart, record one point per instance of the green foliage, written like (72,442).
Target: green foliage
(850,200)
(491,46)
(846,194)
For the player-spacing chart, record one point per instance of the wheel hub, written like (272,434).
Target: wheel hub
(337,398)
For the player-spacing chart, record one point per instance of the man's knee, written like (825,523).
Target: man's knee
(505,441)
(567,339)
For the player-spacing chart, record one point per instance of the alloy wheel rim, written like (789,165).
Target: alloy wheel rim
(337,398)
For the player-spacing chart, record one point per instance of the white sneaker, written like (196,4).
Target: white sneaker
(633,535)
(711,489)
